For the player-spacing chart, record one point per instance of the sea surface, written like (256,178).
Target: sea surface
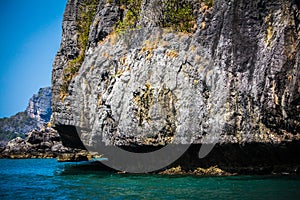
(48,179)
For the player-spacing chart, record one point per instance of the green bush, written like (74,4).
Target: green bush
(176,14)
(132,9)
(179,16)
(209,3)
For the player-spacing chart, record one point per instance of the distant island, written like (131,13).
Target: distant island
(36,115)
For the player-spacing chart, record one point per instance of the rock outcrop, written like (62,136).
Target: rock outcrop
(150,73)
(42,143)
(211,171)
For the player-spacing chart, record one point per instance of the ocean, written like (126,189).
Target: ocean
(48,179)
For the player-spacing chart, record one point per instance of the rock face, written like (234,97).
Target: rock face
(36,115)
(230,75)
(39,106)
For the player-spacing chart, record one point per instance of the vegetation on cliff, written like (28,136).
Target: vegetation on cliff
(131,9)
(209,3)
(87,11)
(177,15)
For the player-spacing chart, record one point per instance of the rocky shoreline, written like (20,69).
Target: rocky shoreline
(223,160)
(242,159)
(43,143)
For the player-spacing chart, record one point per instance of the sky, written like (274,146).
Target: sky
(30,35)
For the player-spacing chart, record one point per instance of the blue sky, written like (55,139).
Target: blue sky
(30,34)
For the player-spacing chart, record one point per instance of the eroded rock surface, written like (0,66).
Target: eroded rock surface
(233,79)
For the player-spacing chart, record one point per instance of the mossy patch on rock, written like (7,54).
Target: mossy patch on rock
(209,3)
(130,11)
(144,100)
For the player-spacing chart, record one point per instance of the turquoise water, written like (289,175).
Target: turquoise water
(48,179)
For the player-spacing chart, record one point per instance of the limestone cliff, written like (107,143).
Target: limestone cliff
(39,106)
(153,72)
